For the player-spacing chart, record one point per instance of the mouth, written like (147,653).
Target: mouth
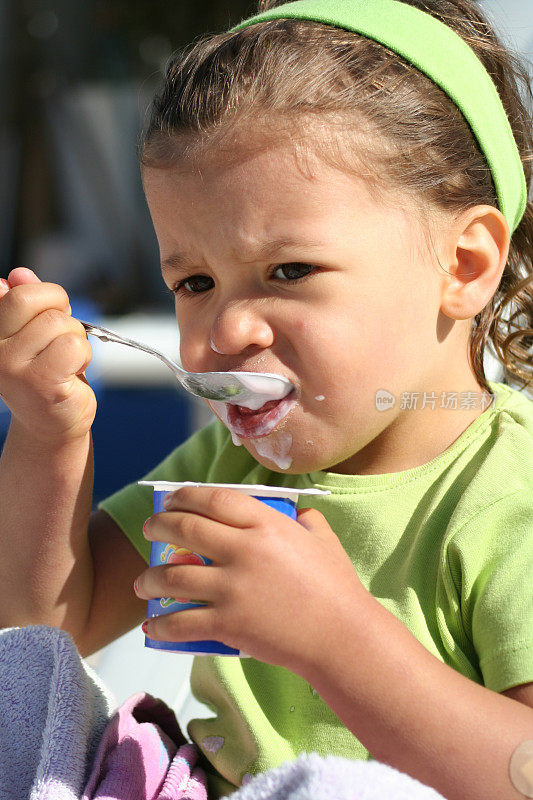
(249,423)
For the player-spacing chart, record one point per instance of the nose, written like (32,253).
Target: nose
(237,328)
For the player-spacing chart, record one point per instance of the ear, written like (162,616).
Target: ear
(477,248)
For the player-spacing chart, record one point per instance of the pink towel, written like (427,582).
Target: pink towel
(143,754)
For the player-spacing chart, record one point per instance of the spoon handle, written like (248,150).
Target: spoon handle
(105,335)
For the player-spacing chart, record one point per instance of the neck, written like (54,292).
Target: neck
(425,423)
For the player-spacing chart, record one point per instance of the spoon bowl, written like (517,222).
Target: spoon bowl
(251,389)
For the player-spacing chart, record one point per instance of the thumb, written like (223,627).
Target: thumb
(315,522)
(21,275)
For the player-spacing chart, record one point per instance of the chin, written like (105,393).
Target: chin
(274,454)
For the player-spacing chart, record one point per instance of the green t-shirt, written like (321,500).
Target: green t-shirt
(447,547)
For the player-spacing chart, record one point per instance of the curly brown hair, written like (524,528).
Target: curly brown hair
(410,136)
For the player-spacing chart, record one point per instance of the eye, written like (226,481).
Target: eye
(292,272)
(195,284)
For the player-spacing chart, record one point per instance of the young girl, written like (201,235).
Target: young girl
(340,198)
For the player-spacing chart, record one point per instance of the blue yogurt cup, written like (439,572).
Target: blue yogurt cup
(281,498)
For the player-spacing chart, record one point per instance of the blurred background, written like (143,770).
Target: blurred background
(76,78)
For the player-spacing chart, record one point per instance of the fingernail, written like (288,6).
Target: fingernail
(136,585)
(167,500)
(4,284)
(145,527)
(144,627)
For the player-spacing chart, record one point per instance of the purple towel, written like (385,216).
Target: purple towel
(56,736)
(53,712)
(143,754)
(311,777)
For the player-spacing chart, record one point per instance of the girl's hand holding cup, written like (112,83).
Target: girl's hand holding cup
(43,354)
(277,589)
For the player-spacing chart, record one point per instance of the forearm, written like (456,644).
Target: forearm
(417,714)
(45,562)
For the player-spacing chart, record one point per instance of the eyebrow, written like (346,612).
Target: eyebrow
(266,250)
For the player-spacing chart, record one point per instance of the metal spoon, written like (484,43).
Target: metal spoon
(238,388)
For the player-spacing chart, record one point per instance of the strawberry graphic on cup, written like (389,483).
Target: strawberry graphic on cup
(179,555)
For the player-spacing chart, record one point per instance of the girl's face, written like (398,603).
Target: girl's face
(306,276)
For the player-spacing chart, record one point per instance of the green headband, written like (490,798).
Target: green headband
(441,54)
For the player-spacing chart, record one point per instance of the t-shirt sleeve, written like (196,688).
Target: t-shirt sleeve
(207,456)
(491,567)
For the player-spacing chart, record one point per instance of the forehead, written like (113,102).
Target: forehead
(241,168)
(234,198)
(253,184)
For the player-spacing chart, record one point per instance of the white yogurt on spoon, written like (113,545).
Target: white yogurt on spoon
(264,387)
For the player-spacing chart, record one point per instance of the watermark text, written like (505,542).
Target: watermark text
(418,401)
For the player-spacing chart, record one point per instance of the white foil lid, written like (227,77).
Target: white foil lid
(246,488)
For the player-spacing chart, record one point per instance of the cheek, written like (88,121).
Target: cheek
(194,346)
(303,325)
(355,353)
(311,348)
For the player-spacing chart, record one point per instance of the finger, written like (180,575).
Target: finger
(66,356)
(228,506)
(21,275)
(194,532)
(185,582)
(25,301)
(192,625)
(39,332)
(315,522)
